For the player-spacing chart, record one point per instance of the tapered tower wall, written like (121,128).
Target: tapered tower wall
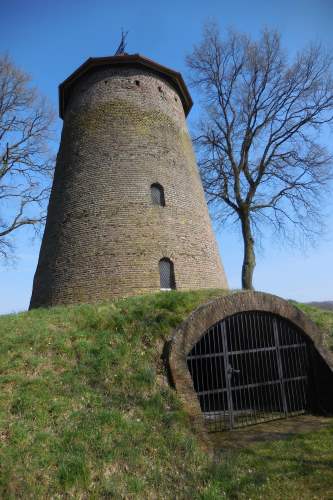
(124,129)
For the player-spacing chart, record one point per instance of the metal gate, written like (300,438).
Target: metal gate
(249,368)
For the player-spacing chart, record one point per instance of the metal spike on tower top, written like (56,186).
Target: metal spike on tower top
(121,48)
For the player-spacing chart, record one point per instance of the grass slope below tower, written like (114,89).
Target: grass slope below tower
(86,412)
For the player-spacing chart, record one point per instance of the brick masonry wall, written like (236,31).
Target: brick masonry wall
(124,129)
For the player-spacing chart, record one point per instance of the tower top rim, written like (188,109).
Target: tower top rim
(136,60)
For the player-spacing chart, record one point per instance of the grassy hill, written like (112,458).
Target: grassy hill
(328,304)
(86,412)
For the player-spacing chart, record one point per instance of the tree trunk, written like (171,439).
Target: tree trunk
(249,259)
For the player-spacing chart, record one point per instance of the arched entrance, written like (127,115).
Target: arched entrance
(251,367)
(249,357)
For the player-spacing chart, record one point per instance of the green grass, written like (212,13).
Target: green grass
(300,467)
(324,319)
(86,412)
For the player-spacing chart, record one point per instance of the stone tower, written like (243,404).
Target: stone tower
(127,213)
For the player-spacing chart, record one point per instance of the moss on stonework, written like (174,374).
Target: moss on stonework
(123,115)
(117,112)
(186,145)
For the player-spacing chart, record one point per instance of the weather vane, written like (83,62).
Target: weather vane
(121,49)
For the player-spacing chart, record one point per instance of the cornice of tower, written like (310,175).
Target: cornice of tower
(132,60)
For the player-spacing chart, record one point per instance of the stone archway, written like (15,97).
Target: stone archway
(202,321)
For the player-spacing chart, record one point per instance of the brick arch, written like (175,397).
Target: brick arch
(194,327)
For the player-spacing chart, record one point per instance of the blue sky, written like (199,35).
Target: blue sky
(49,39)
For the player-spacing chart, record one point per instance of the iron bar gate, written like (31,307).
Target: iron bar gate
(249,368)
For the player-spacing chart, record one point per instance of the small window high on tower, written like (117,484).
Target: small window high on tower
(157,194)
(167,274)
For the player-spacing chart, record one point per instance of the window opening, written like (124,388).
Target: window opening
(167,274)
(157,194)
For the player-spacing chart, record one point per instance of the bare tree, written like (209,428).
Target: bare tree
(25,162)
(260,153)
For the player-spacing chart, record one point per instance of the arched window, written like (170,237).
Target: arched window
(167,274)
(157,194)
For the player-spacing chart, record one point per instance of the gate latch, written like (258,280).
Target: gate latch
(232,370)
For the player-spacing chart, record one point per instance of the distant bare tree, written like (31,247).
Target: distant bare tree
(25,162)
(259,146)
